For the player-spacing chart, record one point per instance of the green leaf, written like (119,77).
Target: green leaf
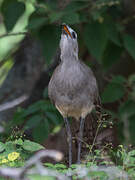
(60,166)
(18,117)
(36,21)
(49,37)
(48,106)
(50,165)
(83,17)
(31,146)
(52,5)
(19,141)
(55,16)
(53,117)
(33,121)
(74,166)
(119,79)
(75,6)
(112,31)
(9,146)
(34,108)
(110,58)
(70,18)
(95,39)
(127,108)
(2,146)
(113,91)
(131,153)
(129,44)
(12,11)
(113,34)
(40,133)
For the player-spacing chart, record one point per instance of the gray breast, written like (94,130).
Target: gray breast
(73,86)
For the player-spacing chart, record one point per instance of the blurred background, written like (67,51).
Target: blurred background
(29,52)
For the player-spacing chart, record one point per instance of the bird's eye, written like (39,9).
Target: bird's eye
(73,35)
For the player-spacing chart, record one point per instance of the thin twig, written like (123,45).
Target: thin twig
(99,125)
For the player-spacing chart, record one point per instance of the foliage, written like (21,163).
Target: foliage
(117,84)
(14,153)
(124,161)
(41,117)
(99,28)
(101,32)
(11,18)
(102,29)
(99,166)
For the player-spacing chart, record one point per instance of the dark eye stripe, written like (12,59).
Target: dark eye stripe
(73,35)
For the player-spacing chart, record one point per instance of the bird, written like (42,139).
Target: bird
(73,87)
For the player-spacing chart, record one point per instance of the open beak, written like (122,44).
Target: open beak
(65,30)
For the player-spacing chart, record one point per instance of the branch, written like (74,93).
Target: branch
(36,160)
(13,103)
(20,173)
(34,166)
(13,34)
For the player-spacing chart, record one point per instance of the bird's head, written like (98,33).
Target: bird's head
(68,42)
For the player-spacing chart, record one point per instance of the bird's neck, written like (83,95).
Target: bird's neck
(69,56)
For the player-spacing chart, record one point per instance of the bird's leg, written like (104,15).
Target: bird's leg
(69,139)
(80,139)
